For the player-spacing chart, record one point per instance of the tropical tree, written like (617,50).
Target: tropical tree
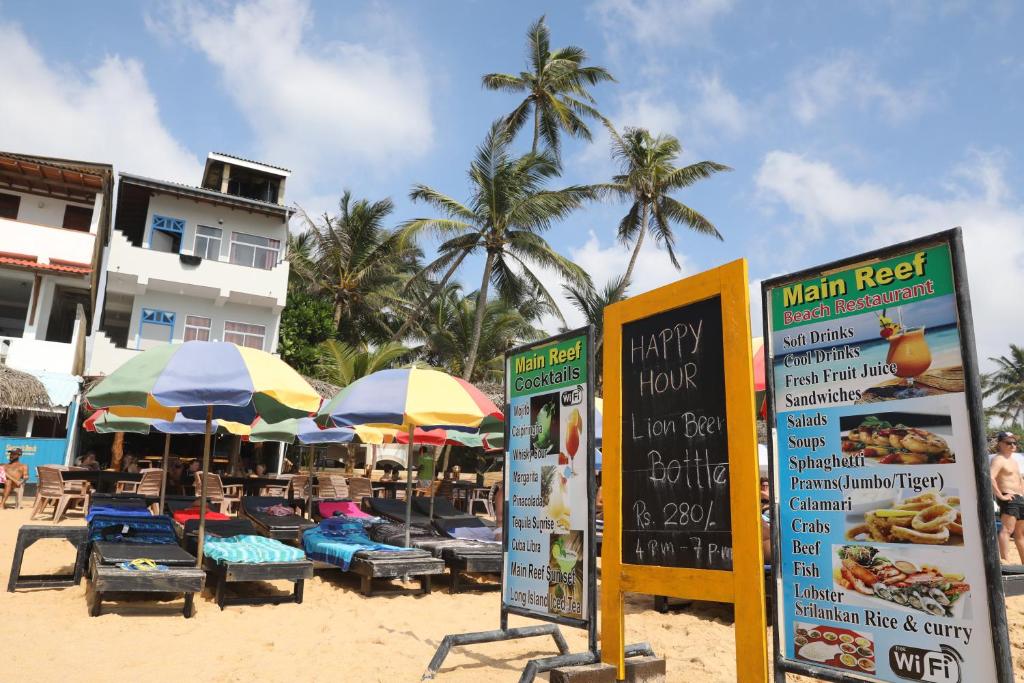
(648,176)
(341,364)
(361,268)
(555,87)
(1006,385)
(306,322)
(591,303)
(506,324)
(506,213)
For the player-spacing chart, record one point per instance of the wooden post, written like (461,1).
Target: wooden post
(235,461)
(408,485)
(117,451)
(163,481)
(202,488)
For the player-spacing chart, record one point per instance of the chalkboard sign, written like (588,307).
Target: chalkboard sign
(676,508)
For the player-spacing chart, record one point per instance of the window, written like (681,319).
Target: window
(155,328)
(245,334)
(9,204)
(208,243)
(77,217)
(166,234)
(257,252)
(197,328)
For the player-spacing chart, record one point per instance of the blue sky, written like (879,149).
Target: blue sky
(848,126)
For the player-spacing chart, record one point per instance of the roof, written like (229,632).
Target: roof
(47,175)
(21,390)
(202,194)
(214,155)
(55,265)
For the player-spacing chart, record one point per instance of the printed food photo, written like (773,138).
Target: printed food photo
(928,518)
(864,570)
(894,439)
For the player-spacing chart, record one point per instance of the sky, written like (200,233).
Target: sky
(849,126)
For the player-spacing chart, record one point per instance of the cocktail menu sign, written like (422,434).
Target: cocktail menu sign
(885,555)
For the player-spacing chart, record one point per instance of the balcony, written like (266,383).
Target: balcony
(135,270)
(46,243)
(37,355)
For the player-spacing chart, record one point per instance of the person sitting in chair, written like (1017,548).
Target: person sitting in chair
(16,472)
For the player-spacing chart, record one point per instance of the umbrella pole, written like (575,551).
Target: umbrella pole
(408,485)
(202,488)
(309,490)
(163,480)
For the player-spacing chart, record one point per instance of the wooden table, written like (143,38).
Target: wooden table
(102,481)
(251,485)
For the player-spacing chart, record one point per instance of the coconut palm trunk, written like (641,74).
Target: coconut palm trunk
(636,247)
(478,323)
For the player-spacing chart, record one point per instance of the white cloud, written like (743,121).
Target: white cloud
(603,263)
(865,216)
(107,114)
(849,81)
(662,22)
(718,108)
(311,104)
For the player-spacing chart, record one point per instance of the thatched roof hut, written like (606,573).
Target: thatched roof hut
(326,390)
(20,390)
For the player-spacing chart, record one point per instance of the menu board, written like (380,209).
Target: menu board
(675,456)
(880,556)
(548,480)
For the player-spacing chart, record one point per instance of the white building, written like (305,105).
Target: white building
(186,262)
(54,221)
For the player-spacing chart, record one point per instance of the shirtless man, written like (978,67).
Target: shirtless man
(17,473)
(1008,487)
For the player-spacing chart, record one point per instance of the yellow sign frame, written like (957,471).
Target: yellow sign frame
(744,585)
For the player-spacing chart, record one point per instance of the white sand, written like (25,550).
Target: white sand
(335,635)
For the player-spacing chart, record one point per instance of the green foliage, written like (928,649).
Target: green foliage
(1006,385)
(360,267)
(508,209)
(306,322)
(341,364)
(556,90)
(591,303)
(648,176)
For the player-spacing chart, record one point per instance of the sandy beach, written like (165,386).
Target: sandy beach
(335,635)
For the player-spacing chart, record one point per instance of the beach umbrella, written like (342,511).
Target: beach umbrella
(409,398)
(308,432)
(205,381)
(104,422)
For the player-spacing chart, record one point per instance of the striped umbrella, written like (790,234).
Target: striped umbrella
(105,422)
(205,381)
(409,398)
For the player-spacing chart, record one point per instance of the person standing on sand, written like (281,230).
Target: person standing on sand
(16,473)
(1008,487)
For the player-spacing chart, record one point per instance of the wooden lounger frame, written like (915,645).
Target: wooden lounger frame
(107,578)
(229,572)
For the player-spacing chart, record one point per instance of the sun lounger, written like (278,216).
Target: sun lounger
(394,510)
(281,527)
(235,551)
(119,539)
(342,542)
(461,556)
(325,509)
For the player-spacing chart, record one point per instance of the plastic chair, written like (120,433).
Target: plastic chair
(484,496)
(54,490)
(227,497)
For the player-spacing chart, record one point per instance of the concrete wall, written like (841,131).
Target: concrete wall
(48,211)
(202,213)
(46,243)
(183,306)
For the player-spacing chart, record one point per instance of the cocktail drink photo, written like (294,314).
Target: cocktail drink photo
(909,351)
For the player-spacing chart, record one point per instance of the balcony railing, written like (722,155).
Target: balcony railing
(45,243)
(224,281)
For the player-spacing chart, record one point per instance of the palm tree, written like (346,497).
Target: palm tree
(1006,384)
(556,88)
(507,211)
(361,267)
(506,325)
(341,364)
(648,175)
(591,303)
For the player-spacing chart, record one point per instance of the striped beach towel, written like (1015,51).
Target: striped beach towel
(250,550)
